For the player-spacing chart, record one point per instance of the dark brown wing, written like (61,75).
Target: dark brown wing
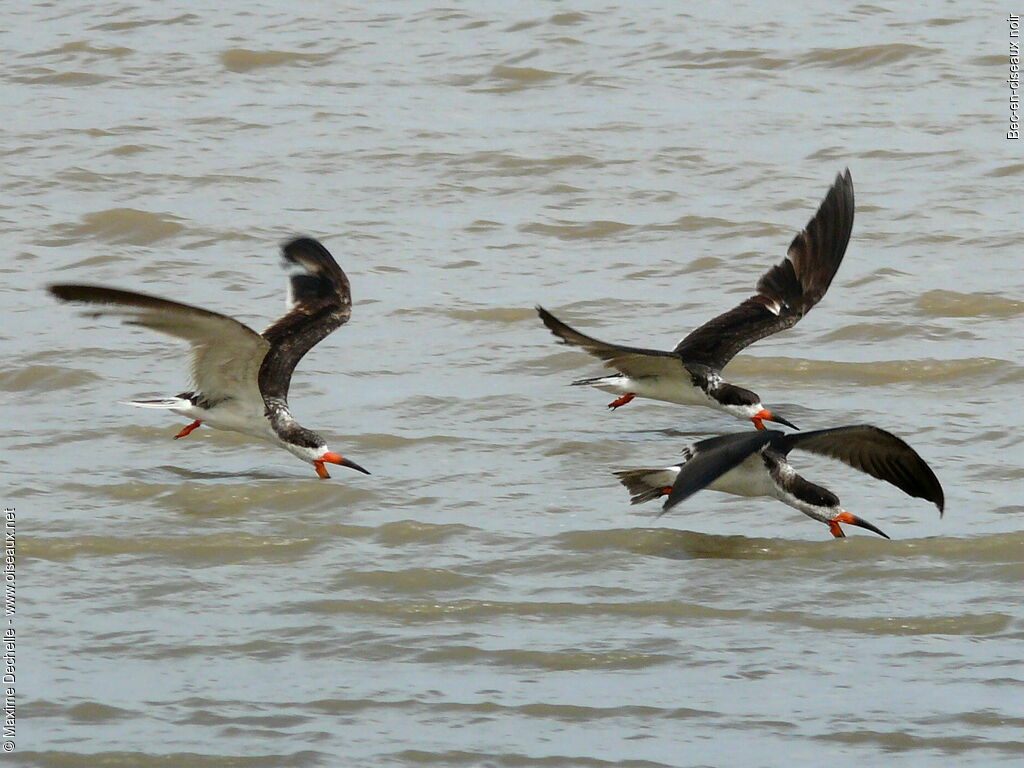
(712,458)
(787,291)
(321,300)
(632,361)
(874,451)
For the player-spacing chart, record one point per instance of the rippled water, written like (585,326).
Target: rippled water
(488,596)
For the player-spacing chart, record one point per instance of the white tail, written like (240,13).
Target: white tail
(167,402)
(615,380)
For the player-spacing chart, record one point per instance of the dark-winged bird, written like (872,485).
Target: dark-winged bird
(691,374)
(240,378)
(756,464)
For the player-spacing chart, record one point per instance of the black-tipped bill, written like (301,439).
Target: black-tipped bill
(778,419)
(352,465)
(862,523)
(334,458)
(765,415)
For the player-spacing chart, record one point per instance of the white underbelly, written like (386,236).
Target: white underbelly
(232,415)
(669,389)
(750,478)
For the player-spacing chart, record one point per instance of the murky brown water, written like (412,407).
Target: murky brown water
(488,597)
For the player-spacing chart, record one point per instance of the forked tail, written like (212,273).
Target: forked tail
(647,484)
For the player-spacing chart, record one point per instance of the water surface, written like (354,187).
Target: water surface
(488,596)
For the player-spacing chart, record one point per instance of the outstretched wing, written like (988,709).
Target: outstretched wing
(226,354)
(320,300)
(632,361)
(787,291)
(712,458)
(874,451)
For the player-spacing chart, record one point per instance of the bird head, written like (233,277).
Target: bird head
(309,446)
(744,404)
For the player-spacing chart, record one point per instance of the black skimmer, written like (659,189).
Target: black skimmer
(754,464)
(241,377)
(691,373)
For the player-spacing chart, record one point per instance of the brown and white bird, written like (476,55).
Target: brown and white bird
(690,374)
(755,464)
(240,378)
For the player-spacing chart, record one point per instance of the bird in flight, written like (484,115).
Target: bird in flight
(240,378)
(691,374)
(756,464)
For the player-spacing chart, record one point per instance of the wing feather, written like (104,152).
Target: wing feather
(321,301)
(632,361)
(226,354)
(712,458)
(787,291)
(875,452)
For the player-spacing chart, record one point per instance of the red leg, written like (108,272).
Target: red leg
(189,429)
(621,401)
